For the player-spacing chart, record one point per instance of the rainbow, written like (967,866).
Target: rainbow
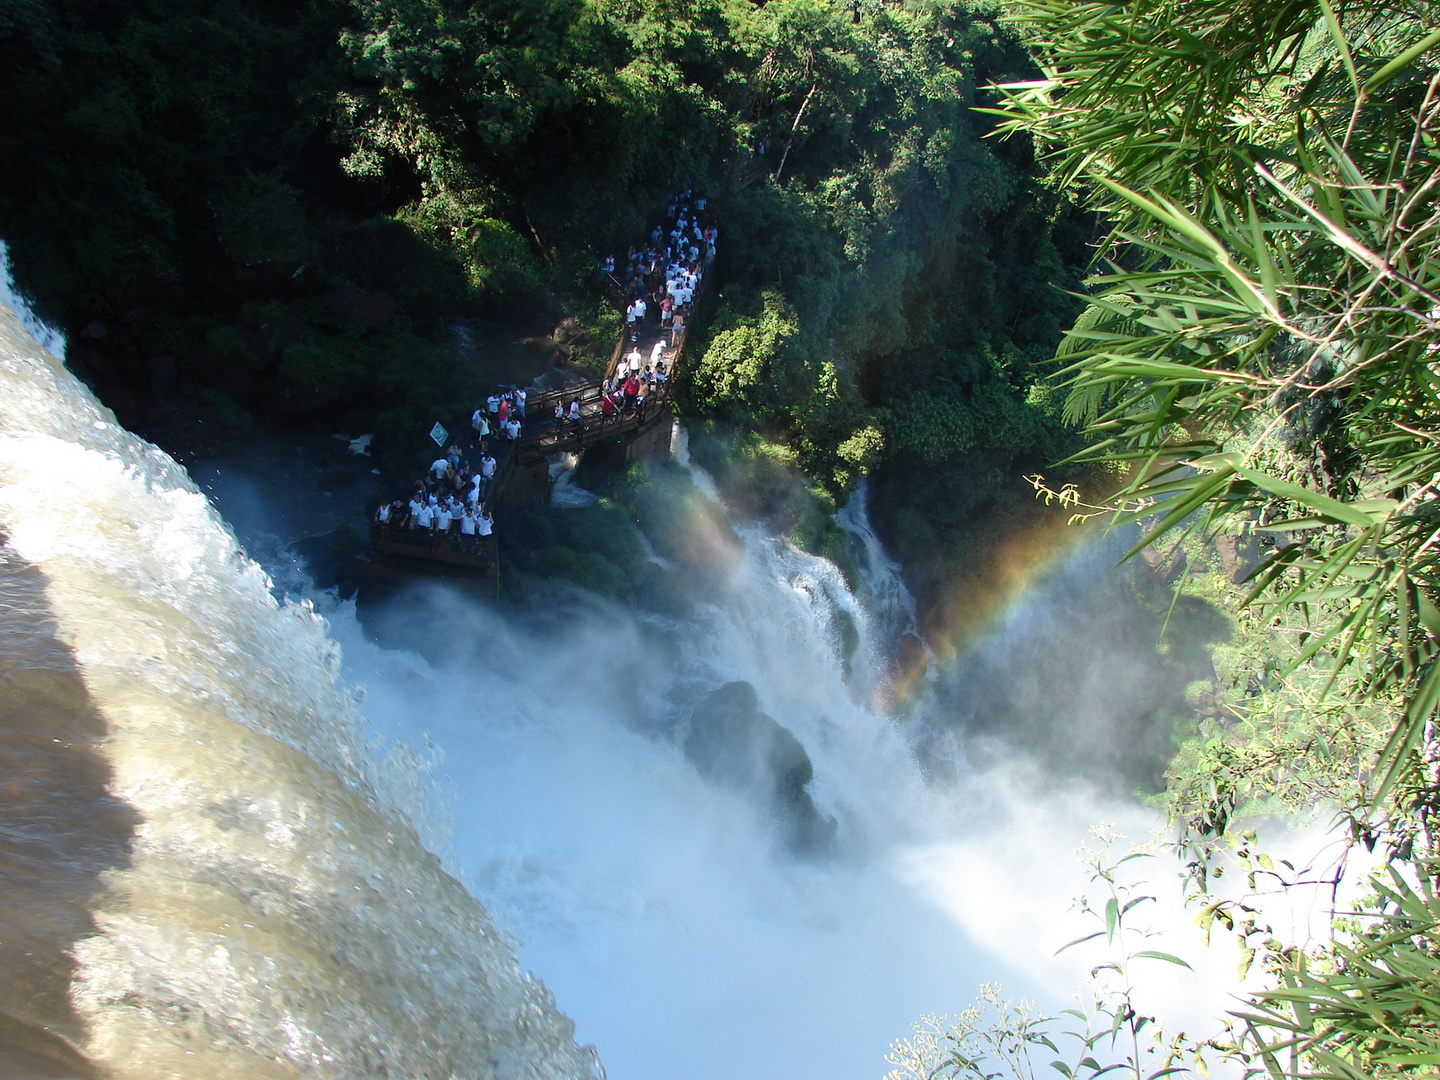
(982,598)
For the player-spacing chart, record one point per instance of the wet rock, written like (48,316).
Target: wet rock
(732,742)
(1239,556)
(1167,566)
(162,372)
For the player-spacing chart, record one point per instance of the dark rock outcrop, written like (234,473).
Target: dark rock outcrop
(733,743)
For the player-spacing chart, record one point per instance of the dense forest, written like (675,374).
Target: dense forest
(279,209)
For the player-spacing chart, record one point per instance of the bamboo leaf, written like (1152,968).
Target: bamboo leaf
(1338,36)
(1326,507)
(1402,61)
(1152,954)
(1079,941)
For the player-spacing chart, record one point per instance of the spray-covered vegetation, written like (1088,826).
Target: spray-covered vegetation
(1259,350)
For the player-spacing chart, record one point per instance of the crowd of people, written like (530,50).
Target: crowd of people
(502,415)
(450,504)
(662,278)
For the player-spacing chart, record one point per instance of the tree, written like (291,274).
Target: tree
(1259,351)
(1259,340)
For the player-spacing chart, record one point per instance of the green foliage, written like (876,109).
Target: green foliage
(933,428)
(261,220)
(494,259)
(588,569)
(173,169)
(1257,350)
(740,374)
(1367,1007)
(1280,277)
(906,253)
(995,1038)
(1359,1007)
(990,1038)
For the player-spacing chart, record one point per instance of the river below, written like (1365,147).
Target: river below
(665,911)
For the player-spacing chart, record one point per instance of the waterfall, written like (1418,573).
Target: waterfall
(882,588)
(222,858)
(670,907)
(672,913)
(209,858)
(565,493)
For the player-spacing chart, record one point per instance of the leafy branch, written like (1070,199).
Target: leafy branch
(995,1038)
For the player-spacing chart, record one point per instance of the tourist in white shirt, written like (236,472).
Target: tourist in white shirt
(485,525)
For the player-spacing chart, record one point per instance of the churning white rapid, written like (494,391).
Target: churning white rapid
(209,868)
(212,816)
(663,909)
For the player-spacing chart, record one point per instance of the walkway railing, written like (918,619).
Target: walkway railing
(452,547)
(593,426)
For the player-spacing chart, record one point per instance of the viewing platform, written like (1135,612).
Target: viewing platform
(519,476)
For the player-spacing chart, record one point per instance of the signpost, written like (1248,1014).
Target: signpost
(439,434)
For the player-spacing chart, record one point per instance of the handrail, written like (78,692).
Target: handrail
(592,427)
(427,544)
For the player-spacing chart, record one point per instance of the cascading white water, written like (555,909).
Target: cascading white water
(665,909)
(208,865)
(564,492)
(247,896)
(889,602)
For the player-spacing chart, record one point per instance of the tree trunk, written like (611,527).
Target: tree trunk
(795,127)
